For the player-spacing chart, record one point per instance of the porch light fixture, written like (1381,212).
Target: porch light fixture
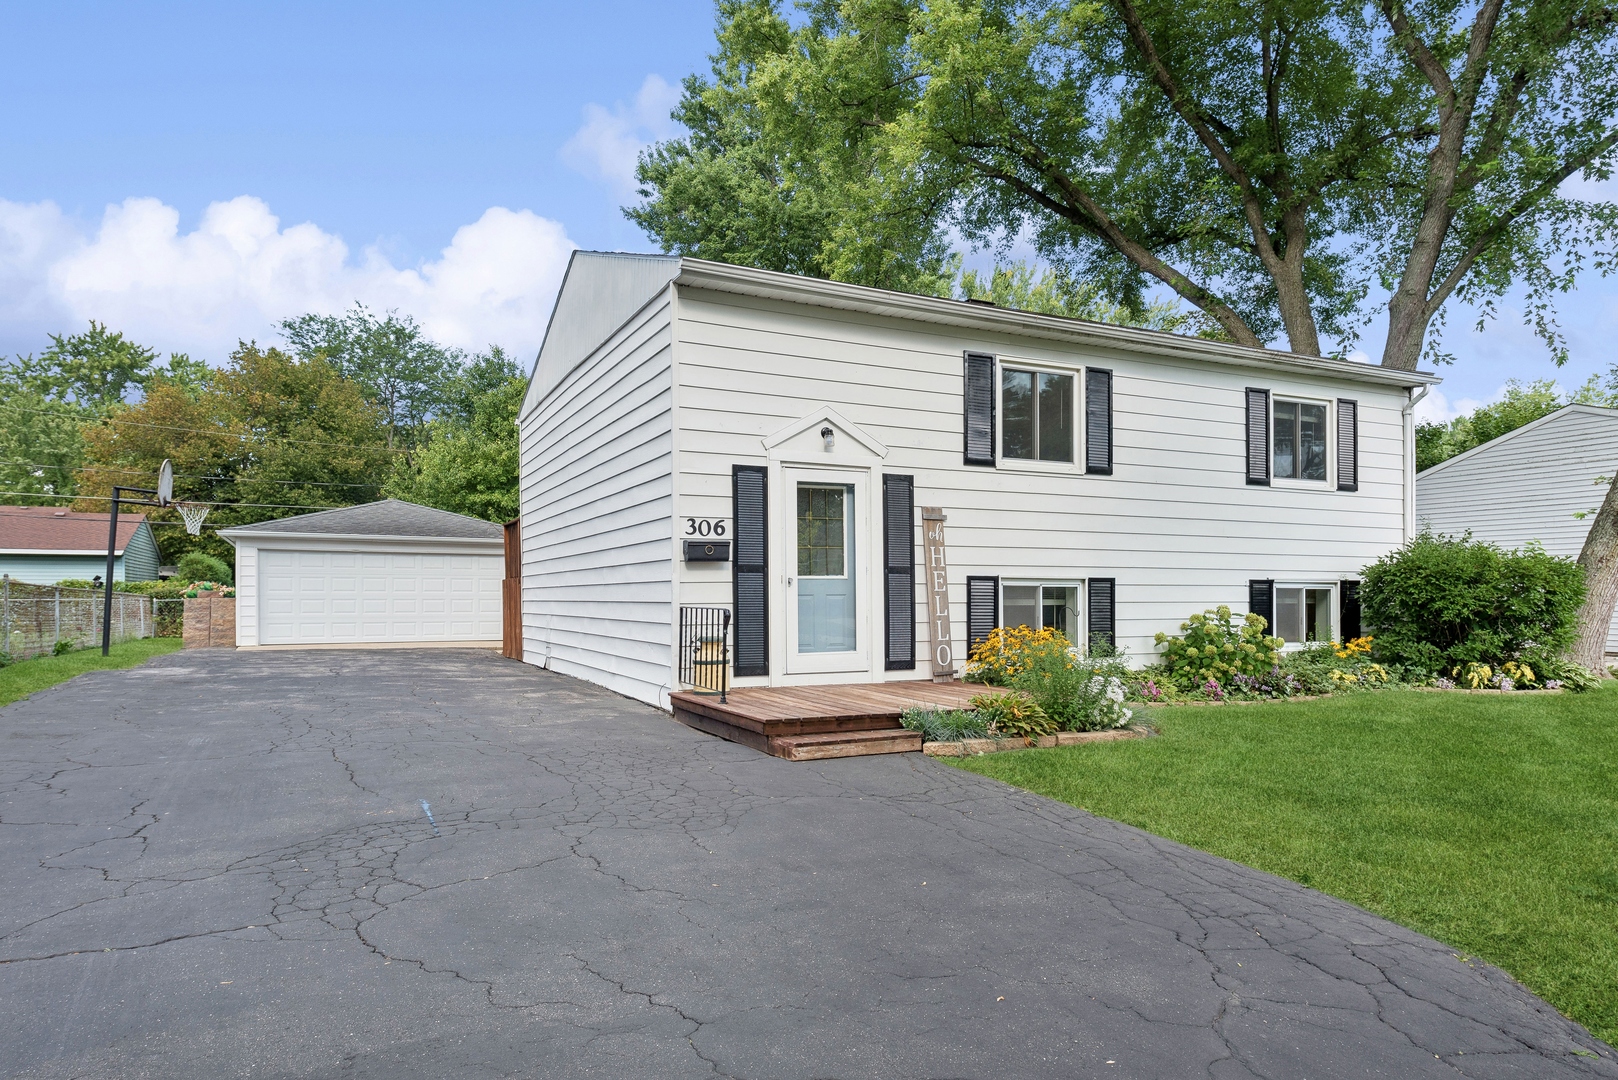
(829,437)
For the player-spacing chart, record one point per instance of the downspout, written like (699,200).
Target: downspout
(1408,414)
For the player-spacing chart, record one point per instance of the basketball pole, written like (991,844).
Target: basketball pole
(162,495)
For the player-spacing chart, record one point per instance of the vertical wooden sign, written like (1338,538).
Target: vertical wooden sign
(937,578)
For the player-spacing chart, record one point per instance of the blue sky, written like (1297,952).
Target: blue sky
(193,172)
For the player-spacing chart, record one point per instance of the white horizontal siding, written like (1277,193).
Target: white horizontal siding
(1176,524)
(247,603)
(1527,486)
(596,515)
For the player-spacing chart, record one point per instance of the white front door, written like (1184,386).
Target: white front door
(827,538)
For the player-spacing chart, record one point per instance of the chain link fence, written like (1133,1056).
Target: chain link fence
(33,618)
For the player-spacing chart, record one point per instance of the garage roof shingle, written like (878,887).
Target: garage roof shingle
(389,517)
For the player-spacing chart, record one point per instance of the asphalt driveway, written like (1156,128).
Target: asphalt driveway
(223,864)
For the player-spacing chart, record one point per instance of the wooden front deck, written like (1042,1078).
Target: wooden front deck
(805,722)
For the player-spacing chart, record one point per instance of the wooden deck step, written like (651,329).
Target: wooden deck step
(800,723)
(836,744)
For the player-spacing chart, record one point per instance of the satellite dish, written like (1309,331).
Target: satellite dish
(165,483)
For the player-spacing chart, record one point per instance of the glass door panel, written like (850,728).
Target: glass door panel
(826,568)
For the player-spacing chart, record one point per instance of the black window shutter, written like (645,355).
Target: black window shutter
(899,570)
(751,570)
(1261,601)
(979,409)
(1098,421)
(1348,602)
(1258,436)
(1102,624)
(1348,445)
(982,609)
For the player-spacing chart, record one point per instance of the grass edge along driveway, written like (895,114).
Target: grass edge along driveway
(1487,822)
(26,677)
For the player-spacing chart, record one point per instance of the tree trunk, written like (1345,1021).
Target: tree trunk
(1600,561)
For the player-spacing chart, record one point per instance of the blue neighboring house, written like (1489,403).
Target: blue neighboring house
(46,544)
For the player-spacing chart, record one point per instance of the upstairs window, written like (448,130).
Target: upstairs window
(1037,415)
(1299,440)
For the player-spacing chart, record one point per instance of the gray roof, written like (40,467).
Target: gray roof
(390,517)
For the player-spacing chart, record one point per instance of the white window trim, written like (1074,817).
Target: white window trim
(1035,465)
(1334,614)
(1326,484)
(1081,612)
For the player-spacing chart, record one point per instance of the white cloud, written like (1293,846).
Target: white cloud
(239,273)
(607,145)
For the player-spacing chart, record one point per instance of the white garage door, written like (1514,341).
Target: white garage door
(314,597)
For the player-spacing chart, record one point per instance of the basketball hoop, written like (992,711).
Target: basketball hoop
(193,516)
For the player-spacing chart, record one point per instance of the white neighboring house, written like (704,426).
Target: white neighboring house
(1527,485)
(383,572)
(1104,480)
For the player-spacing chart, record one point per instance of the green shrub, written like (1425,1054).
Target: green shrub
(200,566)
(1442,602)
(945,725)
(1014,715)
(1077,694)
(61,647)
(1216,647)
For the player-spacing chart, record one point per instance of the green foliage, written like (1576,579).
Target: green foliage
(1055,292)
(41,448)
(469,462)
(1077,694)
(1013,715)
(200,566)
(265,428)
(401,371)
(1441,602)
(93,370)
(945,725)
(1268,165)
(1215,647)
(61,648)
(759,182)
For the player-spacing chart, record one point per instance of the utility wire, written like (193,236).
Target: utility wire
(187,476)
(220,432)
(193,502)
(149,521)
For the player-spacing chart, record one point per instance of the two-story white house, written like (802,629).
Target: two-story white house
(704,440)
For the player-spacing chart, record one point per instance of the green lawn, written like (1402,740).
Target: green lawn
(1487,822)
(21,679)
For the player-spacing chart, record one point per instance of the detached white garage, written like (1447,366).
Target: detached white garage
(385,572)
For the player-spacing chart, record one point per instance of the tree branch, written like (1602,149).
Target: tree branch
(1081,209)
(1526,202)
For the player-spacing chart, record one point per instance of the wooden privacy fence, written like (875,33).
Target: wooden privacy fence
(511,593)
(33,618)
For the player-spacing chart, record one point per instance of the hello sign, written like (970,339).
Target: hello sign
(937,580)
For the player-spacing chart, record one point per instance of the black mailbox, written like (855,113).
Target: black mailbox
(707,551)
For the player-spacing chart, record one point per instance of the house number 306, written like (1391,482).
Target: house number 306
(705,526)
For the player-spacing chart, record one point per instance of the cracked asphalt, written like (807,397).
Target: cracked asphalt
(220,864)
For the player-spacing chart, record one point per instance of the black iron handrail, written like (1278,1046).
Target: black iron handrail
(705,649)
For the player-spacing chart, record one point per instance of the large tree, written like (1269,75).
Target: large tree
(468,464)
(267,428)
(1267,162)
(402,370)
